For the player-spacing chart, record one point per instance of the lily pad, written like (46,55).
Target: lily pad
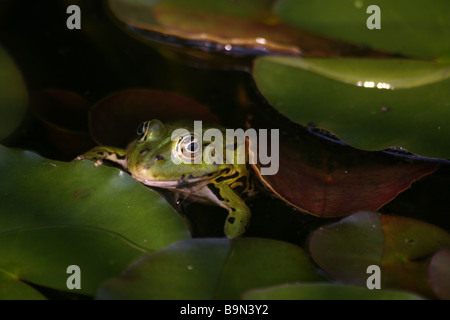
(418,28)
(240,28)
(114,120)
(439,273)
(60,129)
(13,95)
(326,291)
(328,179)
(11,288)
(374,73)
(62,108)
(399,246)
(211,269)
(38,192)
(395,102)
(42,256)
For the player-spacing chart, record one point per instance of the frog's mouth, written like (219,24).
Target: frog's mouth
(182,183)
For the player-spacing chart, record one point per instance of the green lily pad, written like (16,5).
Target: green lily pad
(418,28)
(326,291)
(42,256)
(211,269)
(11,288)
(399,246)
(13,95)
(395,102)
(38,192)
(383,73)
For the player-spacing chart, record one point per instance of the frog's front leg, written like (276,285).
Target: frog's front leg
(98,154)
(239,214)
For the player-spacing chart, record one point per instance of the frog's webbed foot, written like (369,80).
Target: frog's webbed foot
(98,162)
(98,154)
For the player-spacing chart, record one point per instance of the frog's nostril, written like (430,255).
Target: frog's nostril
(144,151)
(159,157)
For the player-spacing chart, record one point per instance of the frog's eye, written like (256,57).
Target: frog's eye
(192,146)
(188,148)
(153,129)
(142,130)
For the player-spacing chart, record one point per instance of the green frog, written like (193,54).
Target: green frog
(158,159)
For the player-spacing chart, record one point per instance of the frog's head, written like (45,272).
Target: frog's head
(150,158)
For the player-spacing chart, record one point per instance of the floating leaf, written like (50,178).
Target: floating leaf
(439,273)
(114,120)
(211,269)
(245,27)
(35,192)
(328,179)
(373,73)
(42,256)
(326,291)
(61,128)
(61,108)
(13,95)
(398,245)
(11,288)
(365,113)
(418,28)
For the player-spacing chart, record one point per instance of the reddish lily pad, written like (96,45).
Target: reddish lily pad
(62,126)
(61,108)
(13,95)
(439,273)
(245,27)
(113,121)
(399,246)
(328,179)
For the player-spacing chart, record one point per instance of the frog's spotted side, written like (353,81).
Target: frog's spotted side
(149,160)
